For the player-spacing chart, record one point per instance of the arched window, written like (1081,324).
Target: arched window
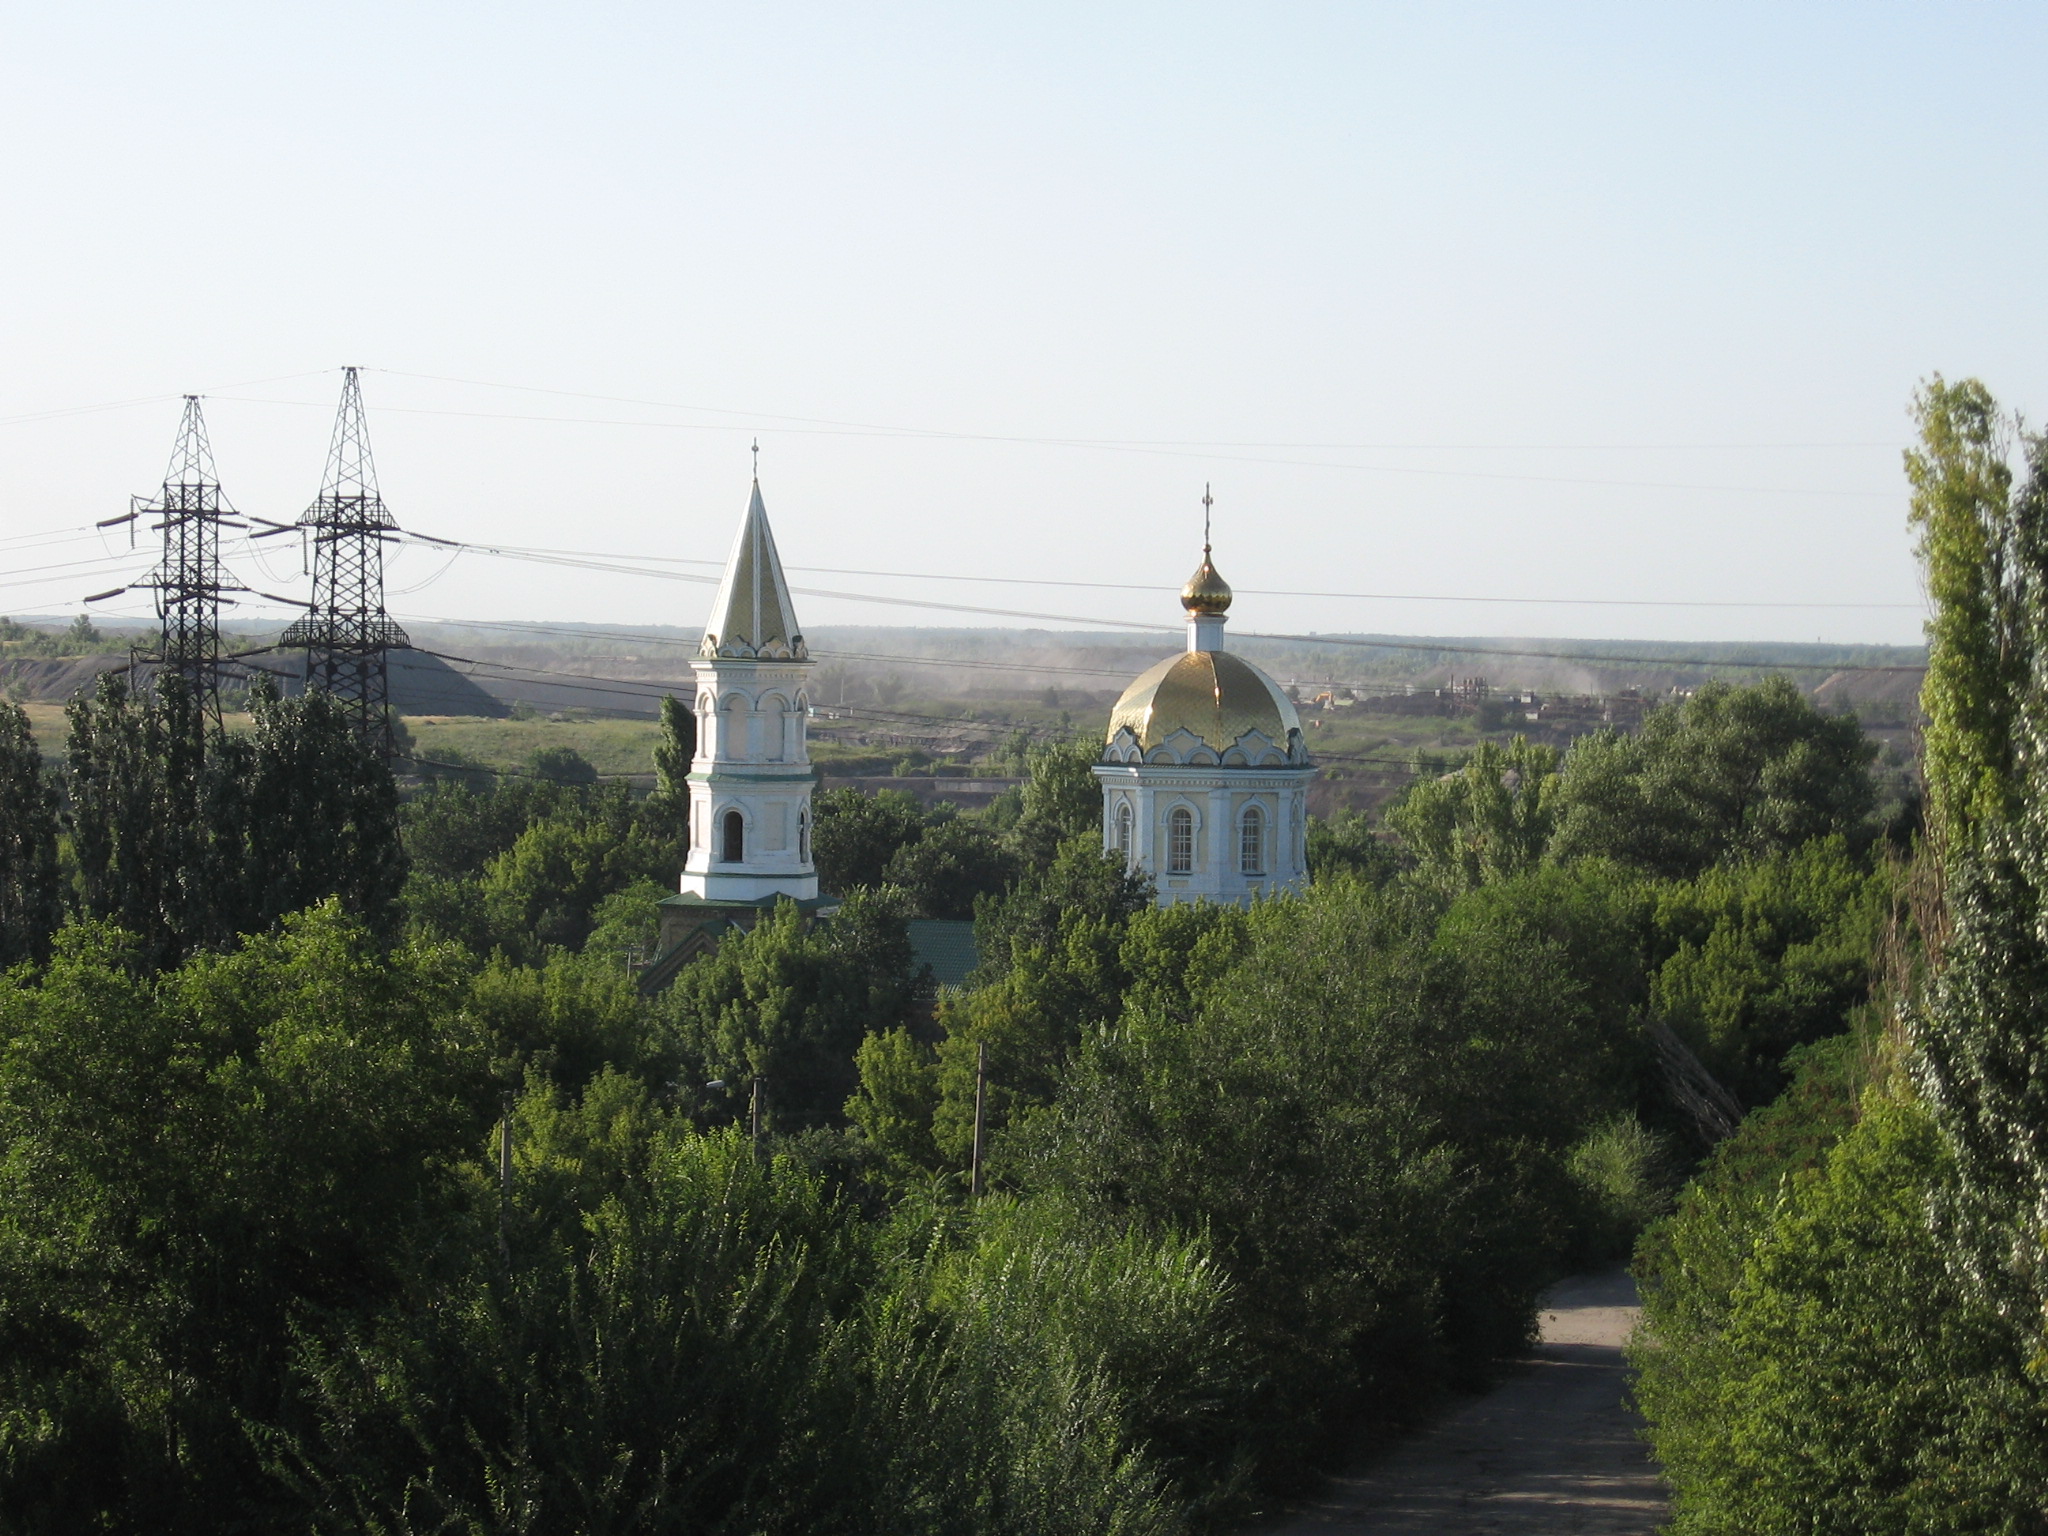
(733,743)
(733,846)
(1180,841)
(1251,841)
(803,836)
(1123,829)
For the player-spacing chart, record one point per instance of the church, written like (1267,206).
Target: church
(1204,773)
(751,778)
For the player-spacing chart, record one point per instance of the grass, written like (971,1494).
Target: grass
(613,746)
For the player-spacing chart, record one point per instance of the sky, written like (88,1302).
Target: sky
(1614,311)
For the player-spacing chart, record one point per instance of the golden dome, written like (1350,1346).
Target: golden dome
(1206,592)
(1213,694)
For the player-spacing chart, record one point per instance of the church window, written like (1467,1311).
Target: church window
(803,837)
(1180,841)
(1251,842)
(734,849)
(1123,829)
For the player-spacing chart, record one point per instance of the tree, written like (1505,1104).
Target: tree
(561,765)
(188,837)
(1982,1061)
(1062,800)
(952,866)
(1981,551)
(200,1164)
(155,827)
(321,814)
(1488,820)
(1728,772)
(30,906)
(1762,956)
(792,1003)
(1346,844)
(673,754)
(854,836)
(1845,1382)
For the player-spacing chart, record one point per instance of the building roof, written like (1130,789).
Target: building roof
(752,617)
(1213,695)
(947,947)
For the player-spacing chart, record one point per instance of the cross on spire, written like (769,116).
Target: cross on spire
(757,458)
(1208,501)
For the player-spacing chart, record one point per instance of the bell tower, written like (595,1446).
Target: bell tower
(750,782)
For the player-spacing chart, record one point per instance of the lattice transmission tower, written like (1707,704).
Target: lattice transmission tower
(189,582)
(347,633)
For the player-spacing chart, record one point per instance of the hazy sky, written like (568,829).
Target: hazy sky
(1548,301)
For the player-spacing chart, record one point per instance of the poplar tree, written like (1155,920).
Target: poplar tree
(1981,1057)
(29,905)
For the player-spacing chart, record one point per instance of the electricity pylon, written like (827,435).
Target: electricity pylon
(346,632)
(189,582)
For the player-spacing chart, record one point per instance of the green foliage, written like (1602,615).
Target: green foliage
(1624,1174)
(1347,844)
(1981,1055)
(1365,1116)
(1489,820)
(196,1166)
(1844,1382)
(187,837)
(1981,551)
(567,1018)
(1080,883)
(685,1337)
(1729,772)
(792,1003)
(81,637)
(561,765)
(30,904)
(676,750)
(1766,955)
(545,888)
(855,836)
(896,1100)
(1062,801)
(453,830)
(950,868)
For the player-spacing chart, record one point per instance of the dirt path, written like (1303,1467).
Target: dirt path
(1553,1449)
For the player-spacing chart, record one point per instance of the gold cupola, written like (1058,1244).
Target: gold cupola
(1206,591)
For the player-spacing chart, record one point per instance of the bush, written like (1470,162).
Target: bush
(1845,1383)
(1624,1174)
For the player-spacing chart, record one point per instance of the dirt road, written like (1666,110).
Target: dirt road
(1552,1450)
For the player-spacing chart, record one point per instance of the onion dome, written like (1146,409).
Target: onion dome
(1206,592)
(1213,695)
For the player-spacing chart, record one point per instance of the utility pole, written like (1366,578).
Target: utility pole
(505,1182)
(980,1105)
(347,634)
(188,582)
(757,1111)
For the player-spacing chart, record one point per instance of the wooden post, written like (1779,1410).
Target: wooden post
(505,1181)
(980,1104)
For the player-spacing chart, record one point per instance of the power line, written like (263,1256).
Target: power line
(1159,628)
(1153,587)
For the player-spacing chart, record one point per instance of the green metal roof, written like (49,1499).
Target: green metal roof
(947,947)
